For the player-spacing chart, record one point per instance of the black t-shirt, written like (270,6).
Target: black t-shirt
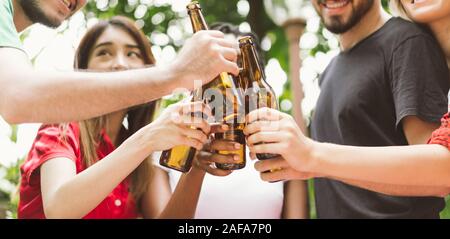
(397,71)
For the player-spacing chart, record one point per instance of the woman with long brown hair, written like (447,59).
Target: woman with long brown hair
(100,167)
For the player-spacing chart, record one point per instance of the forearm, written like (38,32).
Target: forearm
(400,190)
(157,195)
(419,165)
(295,200)
(86,190)
(183,203)
(51,97)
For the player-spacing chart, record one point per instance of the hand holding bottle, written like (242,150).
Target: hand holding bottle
(272,132)
(177,126)
(208,157)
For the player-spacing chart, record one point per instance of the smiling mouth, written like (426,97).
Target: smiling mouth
(334,4)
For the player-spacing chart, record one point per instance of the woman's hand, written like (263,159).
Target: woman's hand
(179,124)
(206,158)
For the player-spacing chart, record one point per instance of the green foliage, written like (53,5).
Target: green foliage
(11,178)
(323,43)
(221,11)
(214,11)
(312,200)
(445,214)
(124,9)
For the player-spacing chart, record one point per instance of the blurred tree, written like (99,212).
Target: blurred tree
(223,11)
(9,183)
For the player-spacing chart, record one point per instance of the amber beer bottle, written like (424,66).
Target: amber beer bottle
(181,157)
(228,111)
(258,92)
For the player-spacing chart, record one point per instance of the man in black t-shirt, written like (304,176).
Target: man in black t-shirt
(387,87)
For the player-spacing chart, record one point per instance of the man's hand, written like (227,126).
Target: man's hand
(274,132)
(204,56)
(278,169)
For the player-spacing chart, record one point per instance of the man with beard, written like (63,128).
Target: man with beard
(27,95)
(387,87)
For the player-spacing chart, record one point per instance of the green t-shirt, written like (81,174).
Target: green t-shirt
(8,33)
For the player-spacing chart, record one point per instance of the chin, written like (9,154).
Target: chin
(57,21)
(427,17)
(429,11)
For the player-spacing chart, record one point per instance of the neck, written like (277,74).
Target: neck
(374,19)
(441,30)
(114,125)
(21,21)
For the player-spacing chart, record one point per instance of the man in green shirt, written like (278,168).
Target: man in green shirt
(28,95)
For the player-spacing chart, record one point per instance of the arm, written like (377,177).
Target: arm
(399,190)
(28,95)
(59,181)
(296,198)
(157,195)
(159,202)
(183,202)
(421,165)
(403,170)
(369,174)
(417,170)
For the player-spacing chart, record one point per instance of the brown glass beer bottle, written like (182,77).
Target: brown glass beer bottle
(225,99)
(258,93)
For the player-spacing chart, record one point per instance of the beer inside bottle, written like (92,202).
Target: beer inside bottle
(227,109)
(258,93)
(235,134)
(178,158)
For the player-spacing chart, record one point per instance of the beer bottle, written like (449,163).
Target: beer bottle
(226,111)
(258,92)
(180,157)
(236,122)
(229,110)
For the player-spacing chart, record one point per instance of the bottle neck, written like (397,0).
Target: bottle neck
(197,20)
(254,74)
(250,63)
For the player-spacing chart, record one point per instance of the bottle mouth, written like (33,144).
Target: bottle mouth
(246,40)
(194,5)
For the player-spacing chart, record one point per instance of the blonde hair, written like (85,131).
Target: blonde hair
(398,10)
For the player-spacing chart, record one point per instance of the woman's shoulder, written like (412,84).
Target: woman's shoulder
(442,135)
(52,141)
(56,139)
(68,131)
